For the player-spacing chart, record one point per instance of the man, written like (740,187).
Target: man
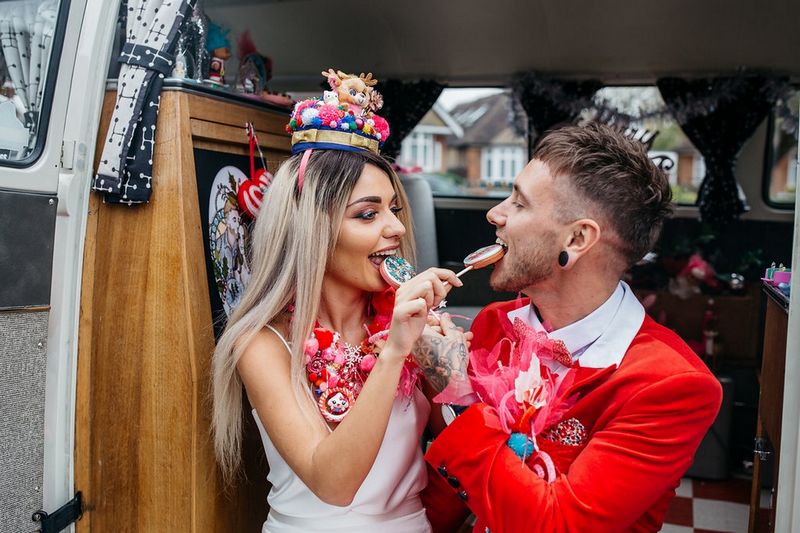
(588,205)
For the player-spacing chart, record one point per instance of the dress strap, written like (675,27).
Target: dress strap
(283,340)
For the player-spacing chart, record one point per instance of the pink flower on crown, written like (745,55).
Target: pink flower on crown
(381,126)
(328,114)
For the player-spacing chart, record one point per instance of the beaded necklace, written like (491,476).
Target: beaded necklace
(337,370)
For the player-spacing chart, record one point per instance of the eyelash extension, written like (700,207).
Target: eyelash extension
(369,215)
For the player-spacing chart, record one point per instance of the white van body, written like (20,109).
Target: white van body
(466,43)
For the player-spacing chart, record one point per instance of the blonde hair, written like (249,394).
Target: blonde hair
(287,267)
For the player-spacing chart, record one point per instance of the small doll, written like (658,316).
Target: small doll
(219,48)
(356,92)
(255,70)
(696,273)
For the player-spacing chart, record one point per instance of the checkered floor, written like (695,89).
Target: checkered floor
(713,506)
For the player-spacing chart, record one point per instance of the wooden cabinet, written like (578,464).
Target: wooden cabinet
(144,458)
(770,404)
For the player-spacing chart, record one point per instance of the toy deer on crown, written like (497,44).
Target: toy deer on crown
(356,92)
(344,119)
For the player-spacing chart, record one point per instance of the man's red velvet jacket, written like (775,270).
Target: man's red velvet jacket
(643,421)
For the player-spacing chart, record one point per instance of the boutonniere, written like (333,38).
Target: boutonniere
(524,397)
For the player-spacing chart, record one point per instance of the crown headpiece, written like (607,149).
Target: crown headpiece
(344,119)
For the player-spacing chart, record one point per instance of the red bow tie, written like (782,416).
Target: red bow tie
(553,349)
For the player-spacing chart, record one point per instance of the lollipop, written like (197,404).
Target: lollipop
(483,257)
(395,270)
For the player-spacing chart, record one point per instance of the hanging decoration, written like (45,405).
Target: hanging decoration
(125,172)
(250,192)
(718,115)
(548,101)
(405,103)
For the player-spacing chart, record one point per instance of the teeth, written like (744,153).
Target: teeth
(501,243)
(386,253)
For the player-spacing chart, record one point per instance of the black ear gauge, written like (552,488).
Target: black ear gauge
(563,258)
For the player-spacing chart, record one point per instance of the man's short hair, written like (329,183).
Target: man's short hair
(616,177)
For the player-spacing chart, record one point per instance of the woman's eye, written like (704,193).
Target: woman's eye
(396,209)
(367,215)
(352,92)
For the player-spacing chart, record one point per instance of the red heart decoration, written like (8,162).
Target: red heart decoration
(263,178)
(251,192)
(249,196)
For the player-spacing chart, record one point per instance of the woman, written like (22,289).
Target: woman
(342,442)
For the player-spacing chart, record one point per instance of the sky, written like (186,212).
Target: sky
(452,97)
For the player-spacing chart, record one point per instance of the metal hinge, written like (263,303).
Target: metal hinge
(760,448)
(59,520)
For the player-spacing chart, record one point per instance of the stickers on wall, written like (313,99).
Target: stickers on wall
(227,235)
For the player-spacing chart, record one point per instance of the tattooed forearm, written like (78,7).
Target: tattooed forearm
(442,359)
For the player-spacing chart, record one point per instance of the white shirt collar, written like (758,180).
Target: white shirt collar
(601,338)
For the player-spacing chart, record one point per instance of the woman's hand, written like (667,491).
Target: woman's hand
(412,301)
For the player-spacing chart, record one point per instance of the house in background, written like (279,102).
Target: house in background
(475,140)
(492,151)
(479,146)
(427,143)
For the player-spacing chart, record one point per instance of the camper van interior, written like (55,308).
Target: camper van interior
(132,135)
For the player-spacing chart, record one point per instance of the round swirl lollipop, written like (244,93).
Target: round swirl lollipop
(483,257)
(395,270)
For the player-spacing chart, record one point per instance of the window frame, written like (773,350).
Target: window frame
(769,154)
(49,91)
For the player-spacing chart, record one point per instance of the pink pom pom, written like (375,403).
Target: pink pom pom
(311,347)
(381,126)
(338,358)
(359,122)
(328,114)
(367,363)
(305,104)
(333,380)
(332,124)
(327,354)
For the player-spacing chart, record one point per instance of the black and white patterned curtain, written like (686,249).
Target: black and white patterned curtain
(26,39)
(718,115)
(405,103)
(125,173)
(548,101)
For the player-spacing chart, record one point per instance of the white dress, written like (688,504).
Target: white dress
(388,500)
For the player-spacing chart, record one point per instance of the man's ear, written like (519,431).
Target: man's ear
(583,235)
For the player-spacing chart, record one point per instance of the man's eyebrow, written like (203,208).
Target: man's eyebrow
(370,200)
(519,193)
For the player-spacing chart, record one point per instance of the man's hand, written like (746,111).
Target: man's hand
(442,352)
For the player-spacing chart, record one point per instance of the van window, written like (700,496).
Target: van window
(473,142)
(670,147)
(467,144)
(27,76)
(781,178)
